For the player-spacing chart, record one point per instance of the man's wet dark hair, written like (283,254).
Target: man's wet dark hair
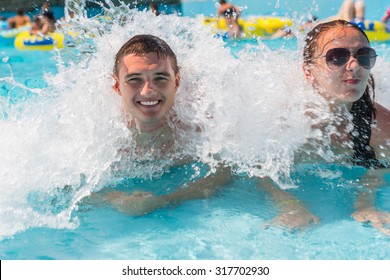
(20,12)
(142,45)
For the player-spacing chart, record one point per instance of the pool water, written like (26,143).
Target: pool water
(55,126)
(229,225)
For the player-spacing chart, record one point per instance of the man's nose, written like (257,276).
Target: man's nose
(147,88)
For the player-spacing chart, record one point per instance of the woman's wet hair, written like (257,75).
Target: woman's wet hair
(312,38)
(142,45)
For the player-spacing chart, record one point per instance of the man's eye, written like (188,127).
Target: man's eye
(134,80)
(161,78)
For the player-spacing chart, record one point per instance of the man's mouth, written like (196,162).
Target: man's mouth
(149,103)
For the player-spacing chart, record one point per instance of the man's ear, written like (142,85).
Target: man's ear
(177,80)
(115,86)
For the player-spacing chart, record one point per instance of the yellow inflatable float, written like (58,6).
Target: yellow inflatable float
(13,32)
(25,41)
(376,31)
(251,27)
(266,26)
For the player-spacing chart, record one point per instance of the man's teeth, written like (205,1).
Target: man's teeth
(148,103)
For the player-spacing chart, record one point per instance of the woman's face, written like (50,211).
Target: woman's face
(340,84)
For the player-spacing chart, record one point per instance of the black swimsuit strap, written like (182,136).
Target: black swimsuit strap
(364,155)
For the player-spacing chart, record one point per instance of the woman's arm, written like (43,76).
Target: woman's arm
(292,214)
(365,211)
(381,131)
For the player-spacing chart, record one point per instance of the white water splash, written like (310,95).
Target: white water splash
(75,6)
(246,116)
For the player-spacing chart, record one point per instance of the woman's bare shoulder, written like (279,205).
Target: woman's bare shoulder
(381,130)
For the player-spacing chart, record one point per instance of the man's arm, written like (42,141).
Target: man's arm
(141,203)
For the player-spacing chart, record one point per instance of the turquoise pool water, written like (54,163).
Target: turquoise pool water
(55,124)
(291,8)
(227,226)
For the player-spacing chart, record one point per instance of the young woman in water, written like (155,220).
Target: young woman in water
(337,61)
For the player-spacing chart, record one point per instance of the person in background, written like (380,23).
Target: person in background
(45,8)
(386,16)
(48,22)
(337,62)
(19,20)
(154,9)
(36,26)
(287,31)
(352,11)
(230,14)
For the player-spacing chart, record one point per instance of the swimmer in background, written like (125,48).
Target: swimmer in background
(48,22)
(69,17)
(352,11)
(19,20)
(230,14)
(36,26)
(386,16)
(66,20)
(45,7)
(147,78)
(287,31)
(337,62)
(154,9)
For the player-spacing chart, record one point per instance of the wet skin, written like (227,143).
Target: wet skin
(147,85)
(347,83)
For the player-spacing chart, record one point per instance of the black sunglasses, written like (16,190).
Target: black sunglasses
(337,57)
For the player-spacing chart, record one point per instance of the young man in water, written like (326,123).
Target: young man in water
(147,78)
(19,20)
